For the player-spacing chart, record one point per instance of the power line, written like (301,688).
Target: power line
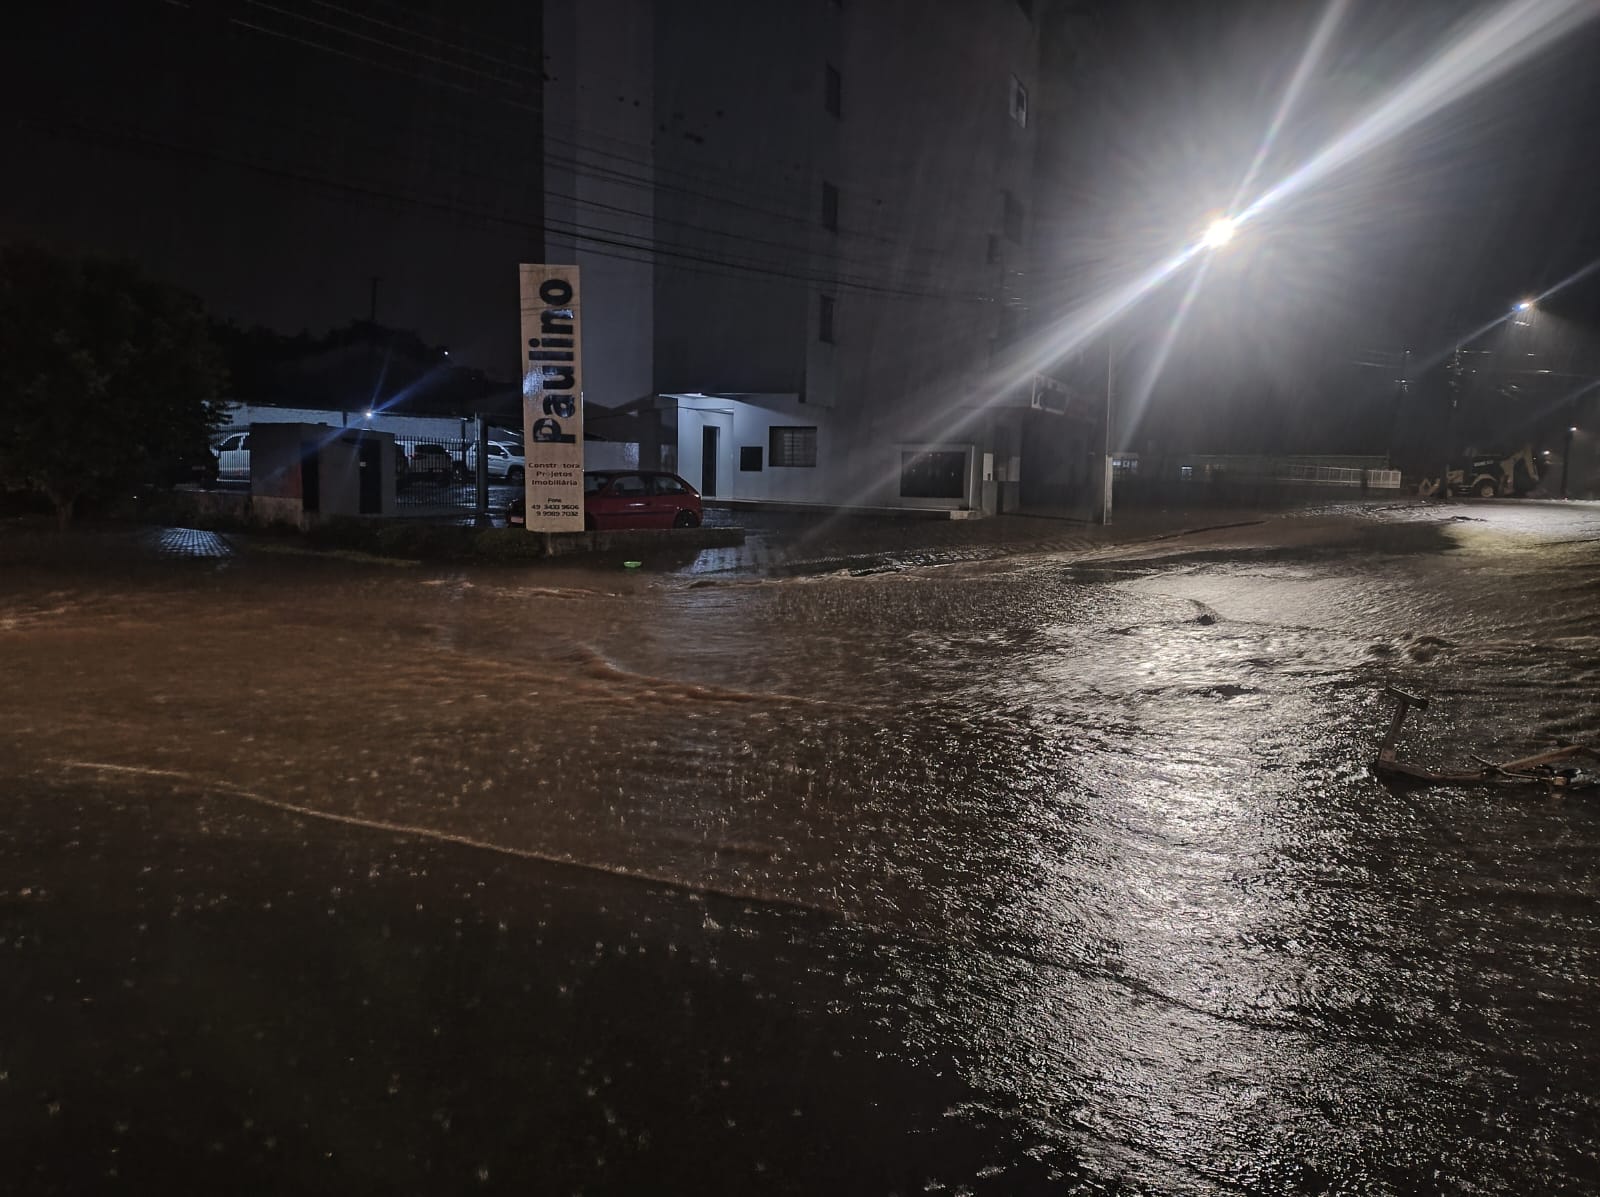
(612,174)
(581,232)
(811,250)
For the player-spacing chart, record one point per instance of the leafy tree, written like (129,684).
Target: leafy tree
(107,378)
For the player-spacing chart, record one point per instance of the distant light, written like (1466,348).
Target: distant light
(1546,453)
(1525,305)
(1219,232)
(369,413)
(447,353)
(1574,428)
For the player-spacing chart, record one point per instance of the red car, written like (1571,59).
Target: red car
(615,499)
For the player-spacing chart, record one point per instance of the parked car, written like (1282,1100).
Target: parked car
(505,462)
(619,499)
(233,457)
(432,462)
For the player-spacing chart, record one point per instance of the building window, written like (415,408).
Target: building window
(750,459)
(791,446)
(1012,225)
(834,93)
(830,207)
(1019,102)
(824,321)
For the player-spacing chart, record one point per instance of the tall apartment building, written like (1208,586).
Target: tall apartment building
(804,231)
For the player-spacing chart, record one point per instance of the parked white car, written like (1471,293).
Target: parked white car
(432,461)
(233,456)
(504,459)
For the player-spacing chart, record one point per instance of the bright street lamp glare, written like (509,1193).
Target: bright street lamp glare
(1525,305)
(1218,233)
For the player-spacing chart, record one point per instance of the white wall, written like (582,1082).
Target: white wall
(242,415)
(843,476)
(743,422)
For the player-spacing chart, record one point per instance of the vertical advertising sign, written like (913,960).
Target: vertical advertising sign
(552,398)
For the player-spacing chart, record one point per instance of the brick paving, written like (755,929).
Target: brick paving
(185,542)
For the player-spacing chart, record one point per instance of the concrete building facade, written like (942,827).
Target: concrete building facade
(805,229)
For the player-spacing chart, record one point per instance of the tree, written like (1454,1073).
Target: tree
(107,378)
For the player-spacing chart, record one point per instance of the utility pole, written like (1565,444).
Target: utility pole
(1456,372)
(372,344)
(1105,448)
(1566,460)
(1402,391)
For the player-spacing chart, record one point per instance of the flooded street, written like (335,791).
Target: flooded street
(1059,872)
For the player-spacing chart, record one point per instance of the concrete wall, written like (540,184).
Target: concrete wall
(276,487)
(922,155)
(739,127)
(599,128)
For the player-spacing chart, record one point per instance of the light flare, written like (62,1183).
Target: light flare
(1133,410)
(1331,16)
(1490,48)
(1483,52)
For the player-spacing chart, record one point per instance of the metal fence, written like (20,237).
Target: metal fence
(1320,474)
(439,478)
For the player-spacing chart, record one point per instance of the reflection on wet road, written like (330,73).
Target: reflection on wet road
(1092,832)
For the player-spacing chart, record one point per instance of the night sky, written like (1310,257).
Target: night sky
(276,157)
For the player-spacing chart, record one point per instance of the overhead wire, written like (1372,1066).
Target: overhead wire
(727,181)
(644,251)
(623,239)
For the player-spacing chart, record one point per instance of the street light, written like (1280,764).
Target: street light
(1525,305)
(1219,232)
(1566,460)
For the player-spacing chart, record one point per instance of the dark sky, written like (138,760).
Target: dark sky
(274,157)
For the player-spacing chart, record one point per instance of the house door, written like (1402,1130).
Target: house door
(710,449)
(310,476)
(370,457)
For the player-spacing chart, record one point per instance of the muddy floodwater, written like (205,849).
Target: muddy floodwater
(1056,872)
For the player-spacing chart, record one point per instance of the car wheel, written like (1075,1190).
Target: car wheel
(514,475)
(1486,489)
(686,519)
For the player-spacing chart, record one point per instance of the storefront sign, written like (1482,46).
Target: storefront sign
(552,398)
